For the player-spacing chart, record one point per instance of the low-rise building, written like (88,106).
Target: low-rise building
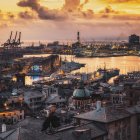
(34,99)
(48,90)
(114,121)
(55,99)
(118,96)
(11,115)
(132,90)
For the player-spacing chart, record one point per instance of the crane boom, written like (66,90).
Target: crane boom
(15,37)
(10,37)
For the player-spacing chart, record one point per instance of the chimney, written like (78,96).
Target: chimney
(98,105)
(3,128)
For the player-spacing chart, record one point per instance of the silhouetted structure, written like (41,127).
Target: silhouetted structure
(134,40)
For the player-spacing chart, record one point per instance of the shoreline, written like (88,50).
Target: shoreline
(98,56)
(104,56)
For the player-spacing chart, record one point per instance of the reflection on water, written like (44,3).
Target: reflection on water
(125,63)
(30,79)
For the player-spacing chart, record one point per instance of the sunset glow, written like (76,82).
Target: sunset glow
(60,19)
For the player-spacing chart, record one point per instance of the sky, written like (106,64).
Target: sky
(61,19)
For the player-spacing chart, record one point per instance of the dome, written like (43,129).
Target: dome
(81,93)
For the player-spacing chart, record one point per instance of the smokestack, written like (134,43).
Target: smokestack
(98,105)
(3,128)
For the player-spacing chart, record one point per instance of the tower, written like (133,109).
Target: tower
(78,37)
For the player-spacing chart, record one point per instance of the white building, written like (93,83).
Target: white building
(118,96)
(34,98)
(48,90)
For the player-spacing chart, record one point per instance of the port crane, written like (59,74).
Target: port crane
(11,48)
(13,43)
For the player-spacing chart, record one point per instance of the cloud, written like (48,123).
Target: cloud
(71,6)
(34,4)
(11,20)
(3,25)
(130,17)
(75,9)
(109,10)
(26,15)
(10,15)
(6,19)
(84,3)
(72,16)
(70,10)
(121,1)
(109,13)
(75,5)
(42,11)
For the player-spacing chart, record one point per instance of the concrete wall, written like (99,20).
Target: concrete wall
(133,123)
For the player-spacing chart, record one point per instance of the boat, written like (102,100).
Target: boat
(107,73)
(68,66)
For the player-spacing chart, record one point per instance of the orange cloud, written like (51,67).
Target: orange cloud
(109,10)
(9,19)
(121,1)
(26,15)
(42,11)
(72,16)
(71,9)
(109,13)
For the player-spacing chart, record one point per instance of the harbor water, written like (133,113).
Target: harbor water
(124,63)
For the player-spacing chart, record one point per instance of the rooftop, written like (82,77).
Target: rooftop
(55,99)
(134,109)
(33,93)
(30,130)
(104,115)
